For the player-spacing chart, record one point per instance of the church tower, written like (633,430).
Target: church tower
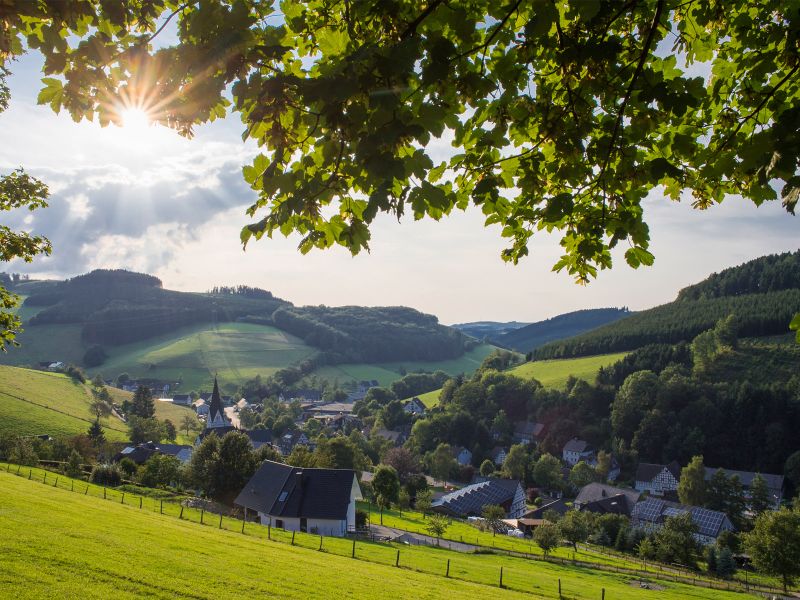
(216,412)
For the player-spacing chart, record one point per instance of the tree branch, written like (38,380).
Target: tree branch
(493,35)
(412,27)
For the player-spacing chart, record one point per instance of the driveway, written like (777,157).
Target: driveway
(417,539)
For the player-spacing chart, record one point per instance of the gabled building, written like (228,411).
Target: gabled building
(658,480)
(774,483)
(395,437)
(182,399)
(619,504)
(414,407)
(576,451)
(182,452)
(527,432)
(498,456)
(558,506)
(138,454)
(595,492)
(470,501)
(462,455)
(216,410)
(288,442)
(651,513)
(319,501)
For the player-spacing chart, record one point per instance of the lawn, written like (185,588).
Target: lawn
(62,543)
(37,402)
(193,355)
(554,373)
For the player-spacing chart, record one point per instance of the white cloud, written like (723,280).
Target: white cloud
(79,206)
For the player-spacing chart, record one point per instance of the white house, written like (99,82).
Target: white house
(577,450)
(319,501)
(462,455)
(414,407)
(182,399)
(498,455)
(658,480)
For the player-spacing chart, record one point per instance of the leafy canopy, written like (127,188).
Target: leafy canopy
(561,115)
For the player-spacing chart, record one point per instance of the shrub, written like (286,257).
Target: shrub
(106,475)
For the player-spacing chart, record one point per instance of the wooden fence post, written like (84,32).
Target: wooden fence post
(45,477)
(18,468)
(353,554)
(180,516)
(397,560)
(202,513)
(447,573)
(30,473)
(320,542)
(269,530)
(140,502)
(86,493)
(244,519)
(104,492)
(220,520)
(603,594)
(292,542)
(56,483)
(501,576)
(123,498)
(559,588)
(161,509)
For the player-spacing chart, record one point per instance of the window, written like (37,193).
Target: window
(279,523)
(282,497)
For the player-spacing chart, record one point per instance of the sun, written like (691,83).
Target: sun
(135,119)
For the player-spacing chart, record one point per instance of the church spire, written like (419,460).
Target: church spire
(216,412)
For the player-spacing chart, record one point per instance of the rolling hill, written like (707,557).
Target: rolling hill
(36,403)
(563,326)
(763,294)
(488,330)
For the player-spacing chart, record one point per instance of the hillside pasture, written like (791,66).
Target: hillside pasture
(554,373)
(193,355)
(54,550)
(37,402)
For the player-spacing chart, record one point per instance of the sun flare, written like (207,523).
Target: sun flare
(135,119)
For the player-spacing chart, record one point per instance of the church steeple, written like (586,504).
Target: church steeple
(216,412)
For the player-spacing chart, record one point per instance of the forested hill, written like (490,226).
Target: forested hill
(563,326)
(119,307)
(763,294)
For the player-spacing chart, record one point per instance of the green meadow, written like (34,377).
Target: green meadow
(36,402)
(67,541)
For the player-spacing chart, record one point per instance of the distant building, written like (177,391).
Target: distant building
(395,437)
(527,432)
(470,501)
(498,455)
(774,483)
(289,441)
(216,410)
(577,450)
(319,501)
(558,506)
(414,407)
(658,480)
(651,513)
(182,452)
(182,399)
(595,492)
(462,455)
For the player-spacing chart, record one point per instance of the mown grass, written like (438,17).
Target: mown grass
(193,355)
(554,373)
(60,543)
(37,402)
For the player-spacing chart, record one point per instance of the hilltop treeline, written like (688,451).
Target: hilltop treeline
(241,290)
(118,307)
(756,315)
(380,334)
(766,274)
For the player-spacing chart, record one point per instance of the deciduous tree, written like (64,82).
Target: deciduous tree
(692,485)
(774,544)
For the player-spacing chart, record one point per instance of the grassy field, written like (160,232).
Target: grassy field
(554,373)
(386,373)
(35,402)
(191,356)
(550,373)
(57,545)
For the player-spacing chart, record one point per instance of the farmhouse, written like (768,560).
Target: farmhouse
(320,501)
(651,513)
(414,407)
(469,501)
(527,432)
(182,399)
(462,456)
(577,450)
(498,455)
(595,492)
(658,480)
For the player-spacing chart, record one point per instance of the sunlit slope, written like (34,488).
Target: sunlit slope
(191,356)
(37,403)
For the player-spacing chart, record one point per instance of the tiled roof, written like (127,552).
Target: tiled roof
(284,491)
(576,445)
(597,491)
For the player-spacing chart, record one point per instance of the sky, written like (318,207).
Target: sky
(146,199)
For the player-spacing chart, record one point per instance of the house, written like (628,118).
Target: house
(395,437)
(774,483)
(658,480)
(201,408)
(576,451)
(306,395)
(462,455)
(138,454)
(259,437)
(470,501)
(55,366)
(288,442)
(182,399)
(613,471)
(414,407)
(181,452)
(619,504)
(319,501)
(332,409)
(651,513)
(527,432)
(595,492)
(558,506)
(498,455)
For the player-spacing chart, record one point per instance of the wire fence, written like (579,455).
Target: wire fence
(485,567)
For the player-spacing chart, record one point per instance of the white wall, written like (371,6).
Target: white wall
(330,527)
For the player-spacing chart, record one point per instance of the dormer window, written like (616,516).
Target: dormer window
(283,496)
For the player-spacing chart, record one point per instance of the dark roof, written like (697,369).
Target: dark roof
(576,445)
(172,449)
(709,522)
(528,428)
(283,491)
(620,504)
(138,454)
(216,404)
(496,451)
(387,434)
(263,436)
(218,431)
(471,499)
(774,482)
(537,513)
(597,491)
(649,471)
